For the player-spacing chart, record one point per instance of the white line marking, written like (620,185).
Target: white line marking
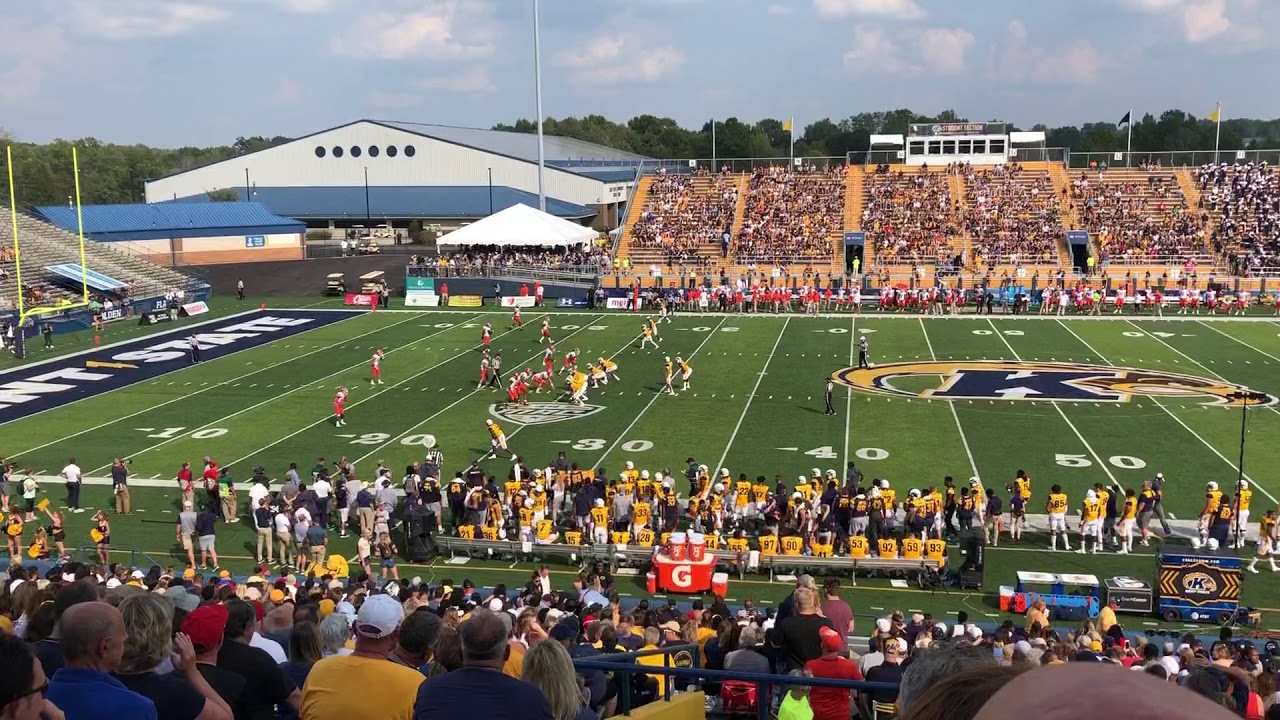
(759,377)
(1216,374)
(273,398)
(653,399)
(1056,406)
(954,415)
(184,397)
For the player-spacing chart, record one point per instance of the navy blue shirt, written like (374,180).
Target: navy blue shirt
(364,499)
(994,506)
(92,695)
(204,523)
(483,693)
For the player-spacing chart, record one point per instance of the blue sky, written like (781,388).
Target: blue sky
(202,72)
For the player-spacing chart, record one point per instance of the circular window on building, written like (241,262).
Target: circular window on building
(337,151)
(391,151)
(355,151)
(319,151)
(373,151)
(409,151)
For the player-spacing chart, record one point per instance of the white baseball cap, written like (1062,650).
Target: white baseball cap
(379,616)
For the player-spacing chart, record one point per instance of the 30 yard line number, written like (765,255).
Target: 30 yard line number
(1124,462)
(593,444)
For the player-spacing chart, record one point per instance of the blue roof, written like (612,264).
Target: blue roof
(162,221)
(397,201)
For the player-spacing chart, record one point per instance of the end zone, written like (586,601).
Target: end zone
(60,381)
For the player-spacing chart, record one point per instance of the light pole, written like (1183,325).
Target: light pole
(1244,397)
(537,81)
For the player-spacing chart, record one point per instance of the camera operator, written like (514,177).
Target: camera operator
(120,485)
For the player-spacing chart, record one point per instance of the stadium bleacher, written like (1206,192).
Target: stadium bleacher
(1012,216)
(792,216)
(1139,218)
(682,219)
(911,216)
(1242,202)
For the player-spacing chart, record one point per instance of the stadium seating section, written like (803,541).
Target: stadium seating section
(792,217)
(1242,203)
(1139,217)
(682,219)
(910,216)
(1012,216)
(43,244)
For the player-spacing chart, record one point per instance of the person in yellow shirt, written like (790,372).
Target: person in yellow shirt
(1022,483)
(498,438)
(857,546)
(792,545)
(768,544)
(1212,497)
(887,548)
(1240,528)
(1268,538)
(544,531)
(821,546)
(1128,517)
(738,543)
(646,337)
(668,372)
(686,371)
(1090,523)
(936,549)
(1056,506)
(600,522)
(912,548)
(651,637)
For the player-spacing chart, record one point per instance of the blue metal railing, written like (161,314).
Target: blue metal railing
(625,664)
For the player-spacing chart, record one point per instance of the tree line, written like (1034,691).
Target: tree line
(116,173)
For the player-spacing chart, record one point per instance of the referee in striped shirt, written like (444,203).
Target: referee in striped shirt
(433,463)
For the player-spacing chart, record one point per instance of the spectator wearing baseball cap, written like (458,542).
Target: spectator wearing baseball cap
(479,685)
(328,692)
(831,703)
(205,626)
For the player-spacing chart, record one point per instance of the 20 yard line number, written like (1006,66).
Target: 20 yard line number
(379,438)
(1124,462)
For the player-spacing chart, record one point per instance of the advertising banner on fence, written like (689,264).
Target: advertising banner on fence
(152,318)
(618,303)
(421,299)
(572,302)
(115,313)
(524,301)
(420,284)
(368,299)
(465,301)
(195,308)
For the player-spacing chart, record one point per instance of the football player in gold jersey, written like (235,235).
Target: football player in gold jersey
(1268,541)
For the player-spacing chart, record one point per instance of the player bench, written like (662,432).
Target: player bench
(791,564)
(512,550)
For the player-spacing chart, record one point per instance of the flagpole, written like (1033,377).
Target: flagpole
(713,146)
(792,134)
(1217,135)
(1128,155)
(537,81)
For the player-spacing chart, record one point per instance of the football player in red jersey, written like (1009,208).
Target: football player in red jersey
(340,407)
(375,367)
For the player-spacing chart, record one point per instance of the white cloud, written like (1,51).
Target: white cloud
(132,19)
(894,9)
(778,10)
(1205,21)
(441,30)
(943,49)
(1016,60)
(1152,6)
(309,7)
(608,60)
(26,57)
(474,81)
(937,51)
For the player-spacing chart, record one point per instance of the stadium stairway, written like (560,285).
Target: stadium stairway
(634,212)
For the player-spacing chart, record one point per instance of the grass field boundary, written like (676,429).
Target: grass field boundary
(303,386)
(398,436)
(204,389)
(955,415)
(618,440)
(1096,457)
(869,314)
(754,390)
(1177,419)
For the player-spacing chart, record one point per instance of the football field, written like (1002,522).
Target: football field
(1072,401)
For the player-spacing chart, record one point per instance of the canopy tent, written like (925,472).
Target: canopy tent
(520,226)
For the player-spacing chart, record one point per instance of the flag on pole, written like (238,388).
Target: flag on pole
(1216,115)
(1126,120)
(786,125)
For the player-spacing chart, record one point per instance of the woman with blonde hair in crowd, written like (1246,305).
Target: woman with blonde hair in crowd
(183,694)
(547,666)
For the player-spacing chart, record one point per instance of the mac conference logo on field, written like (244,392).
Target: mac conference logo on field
(541,413)
(1036,381)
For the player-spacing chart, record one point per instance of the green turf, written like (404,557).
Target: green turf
(755,407)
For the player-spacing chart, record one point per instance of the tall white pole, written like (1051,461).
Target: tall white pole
(537,80)
(713,146)
(1128,154)
(1217,135)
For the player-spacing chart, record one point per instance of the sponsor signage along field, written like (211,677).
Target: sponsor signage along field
(421,299)
(1211,582)
(41,386)
(465,301)
(114,314)
(420,283)
(367,299)
(618,303)
(523,301)
(572,302)
(195,308)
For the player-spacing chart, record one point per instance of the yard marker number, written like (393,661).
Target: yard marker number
(174,432)
(593,444)
(637,445)
(827,452)
(1003,332)
(1124,462)
(379,438)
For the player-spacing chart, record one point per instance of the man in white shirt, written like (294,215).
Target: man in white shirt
(322,488)
(258,491)
(71,473)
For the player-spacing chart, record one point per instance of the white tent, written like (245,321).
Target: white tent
(520,225)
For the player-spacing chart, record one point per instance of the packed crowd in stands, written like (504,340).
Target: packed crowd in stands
(1247,197)
(1012,217)
(792,215)
(910,217)
(685,214)
(1134,223)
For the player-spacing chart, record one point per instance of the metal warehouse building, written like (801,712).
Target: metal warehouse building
(371,172)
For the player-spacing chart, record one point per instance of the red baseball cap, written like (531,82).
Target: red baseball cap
(831,640)
(205,626)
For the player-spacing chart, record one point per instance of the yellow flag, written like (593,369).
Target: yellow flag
(786,126)
(1216,115)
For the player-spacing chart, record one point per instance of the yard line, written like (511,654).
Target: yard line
(655,397)
(1178,420)
(273,398)
(848,402)
(1216,374)
(436,414)
(1057,407)
(190,394)
(954,415)
(759,376)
